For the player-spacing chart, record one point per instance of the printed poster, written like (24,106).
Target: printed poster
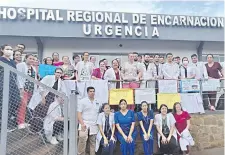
(211,85)
(167,86)
(46,70)
(146,94)
(115,95)
(189,85)
(168,99)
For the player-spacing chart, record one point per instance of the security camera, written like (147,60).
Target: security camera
(120,45)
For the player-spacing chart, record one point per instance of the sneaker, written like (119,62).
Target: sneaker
(54,141)
(60,137)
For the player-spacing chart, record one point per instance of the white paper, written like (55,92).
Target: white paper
(147,94)
(167,86)
(211,85)
(190,85)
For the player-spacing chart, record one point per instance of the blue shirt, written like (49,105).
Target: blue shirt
(125,121)
(145,119)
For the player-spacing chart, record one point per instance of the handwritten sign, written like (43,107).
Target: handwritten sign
(167,86)
(168,99)
(115,95)
(189,85)
(147,95)
(211,85)
(46,70)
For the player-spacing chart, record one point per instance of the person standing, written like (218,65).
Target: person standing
(84,68)
(170,69)
(187,71)
(87,113)
(68,69)
(200,68)
(145,118)
(55,57)
(98,73)
(125,124)
(20,48)
(17,56)
(48,61)
(105,138)
(214,69)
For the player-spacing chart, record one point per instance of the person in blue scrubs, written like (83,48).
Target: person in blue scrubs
(145,118)
(125,124)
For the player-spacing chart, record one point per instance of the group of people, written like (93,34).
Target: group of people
(102,128)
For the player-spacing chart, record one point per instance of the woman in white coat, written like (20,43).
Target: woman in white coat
(167,136)
(27,88)
(105,137)
(54,122)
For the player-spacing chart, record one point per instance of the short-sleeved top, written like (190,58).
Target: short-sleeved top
(214,70)
(97,73)
(89,110)
(131,70)
(59,63)
(181,121)
(125,121)
(84,70)
(145,119)
(68,71)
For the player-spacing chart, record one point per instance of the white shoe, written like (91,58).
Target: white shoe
(54,141)
(23,126)
(60,137)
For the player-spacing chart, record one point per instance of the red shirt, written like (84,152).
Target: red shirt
(181,121)
(59,63)
(214,70)
(97,73)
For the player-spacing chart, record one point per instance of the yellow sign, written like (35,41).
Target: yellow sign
(115,95)
(168,99)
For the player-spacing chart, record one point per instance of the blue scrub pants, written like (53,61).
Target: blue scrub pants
(108,150)
(147,145)
(126,148)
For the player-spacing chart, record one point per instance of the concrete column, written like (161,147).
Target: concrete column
(200,49)
(40,48)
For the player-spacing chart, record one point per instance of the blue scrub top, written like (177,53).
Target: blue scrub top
(145,119)
(125,121)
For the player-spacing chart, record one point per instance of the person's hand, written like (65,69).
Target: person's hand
(146,137)
(21,92)
(168,139)
(129,139)
(125,138)
(164,140)
(43,101)
(83,127)
(113,139)
(106,142)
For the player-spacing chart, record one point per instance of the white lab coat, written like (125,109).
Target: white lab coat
(110,75)
(160,73)
(170,121)
(147,74)
(191,71)
(171,71)
(49,81)
(54,112)
(186,140)
(101,121)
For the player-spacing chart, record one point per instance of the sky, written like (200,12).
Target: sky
(181,7)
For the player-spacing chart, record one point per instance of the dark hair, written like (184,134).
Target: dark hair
(162,105)
(174,107)
(89,88)
(101,62)
(169,54)
(14,53)
(75,56)
(22,45)
(139,55)
(146,54)
(145,102)
(55,53)
(58,69)
(209,54)
(184,58)
(92,57)
(45,60)
(2,48)
(178,57)
(65,56)
(103,106)
(28,55)
(161,56)
(156,55)
(104,59)
(135,53)
(84,53)
(194,55)
(122,100)
(116,61)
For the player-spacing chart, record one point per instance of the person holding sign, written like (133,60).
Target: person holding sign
(125,124)
(145,118)
(186,70)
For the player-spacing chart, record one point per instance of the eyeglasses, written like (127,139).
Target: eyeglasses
(59,72)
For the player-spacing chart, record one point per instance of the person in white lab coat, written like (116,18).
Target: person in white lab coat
(170,69)
(54,122)
(187,71)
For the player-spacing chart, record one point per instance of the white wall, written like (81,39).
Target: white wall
(29,42)
(69,46)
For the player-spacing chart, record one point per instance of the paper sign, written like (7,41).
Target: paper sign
(115,95)
(46,70)
(167,86)
(211,85)
(189,85)
(168,99)
(147,94)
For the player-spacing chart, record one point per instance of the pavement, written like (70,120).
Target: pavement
(217,151)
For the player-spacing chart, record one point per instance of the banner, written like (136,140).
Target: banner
(46,70)
(147,94)
(211,85)
(167,86)
(115,95)
(168,99)
(189,85)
